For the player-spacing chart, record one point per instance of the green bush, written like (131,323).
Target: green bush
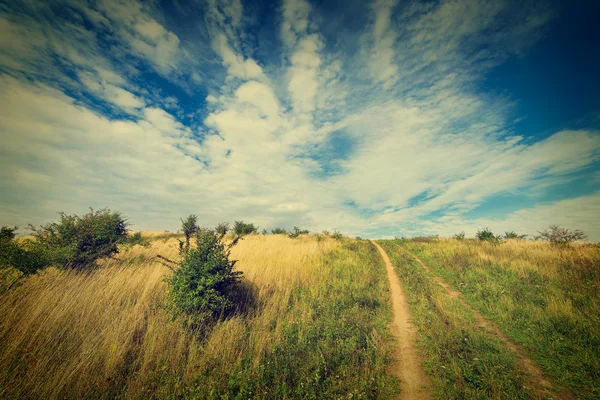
(558,236)
(459,236)
(78,242)
(337,235)
(279,231)
(203,284)
(487,236)
(513,235)
(26,257)
(297,232)
(136,239)
(242,228)
(222,228)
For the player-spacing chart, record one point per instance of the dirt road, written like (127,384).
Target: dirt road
(408,367)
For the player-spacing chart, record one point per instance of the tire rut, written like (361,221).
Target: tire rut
(541,387)
(408,366)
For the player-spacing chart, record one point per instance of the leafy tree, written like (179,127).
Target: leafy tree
(242,228)
(264,232)
(279,231)
(297,232)
(562,237)
(203,284)
(487,236)
(78,242)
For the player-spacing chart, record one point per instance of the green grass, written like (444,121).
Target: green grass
(544,298)
(463,361)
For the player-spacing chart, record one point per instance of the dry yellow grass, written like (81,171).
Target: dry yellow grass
(80,334)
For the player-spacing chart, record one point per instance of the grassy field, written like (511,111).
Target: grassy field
(544,298)
(315,328)
(314,323)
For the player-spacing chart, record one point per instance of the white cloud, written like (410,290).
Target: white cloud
(99,84)
(236,65)
(259,95)
(143,34)
(382,63)
(295,20)
(304,73)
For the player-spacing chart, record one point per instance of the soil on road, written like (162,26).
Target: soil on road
(408,366)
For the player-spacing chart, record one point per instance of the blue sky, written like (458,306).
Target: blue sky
(382,118)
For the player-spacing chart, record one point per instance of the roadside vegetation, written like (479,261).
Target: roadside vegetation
(293,318)
(543,295)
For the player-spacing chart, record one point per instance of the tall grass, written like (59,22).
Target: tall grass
(544,298)
(316,328)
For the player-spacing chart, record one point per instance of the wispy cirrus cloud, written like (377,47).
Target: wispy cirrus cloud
(214,109)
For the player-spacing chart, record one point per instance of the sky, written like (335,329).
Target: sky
(374,118)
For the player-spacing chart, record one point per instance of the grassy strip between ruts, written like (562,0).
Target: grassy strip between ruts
(463,361)
(544,298)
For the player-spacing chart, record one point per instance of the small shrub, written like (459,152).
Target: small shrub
(136,239)
(7,234)
(513,235)
(297,232)
(190,227)
(459,236)
(264,232)
(242,228)
(319,237)
(337,235)
(326,233)
(222,229)
(279,231)
(487,236)
(562,237)
(203,283)
(78,242)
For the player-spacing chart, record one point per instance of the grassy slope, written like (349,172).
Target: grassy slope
(463,361)
(545,299)
(317,329)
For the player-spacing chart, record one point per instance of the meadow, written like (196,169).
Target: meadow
(313,323)
(314,327)
(544,298)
